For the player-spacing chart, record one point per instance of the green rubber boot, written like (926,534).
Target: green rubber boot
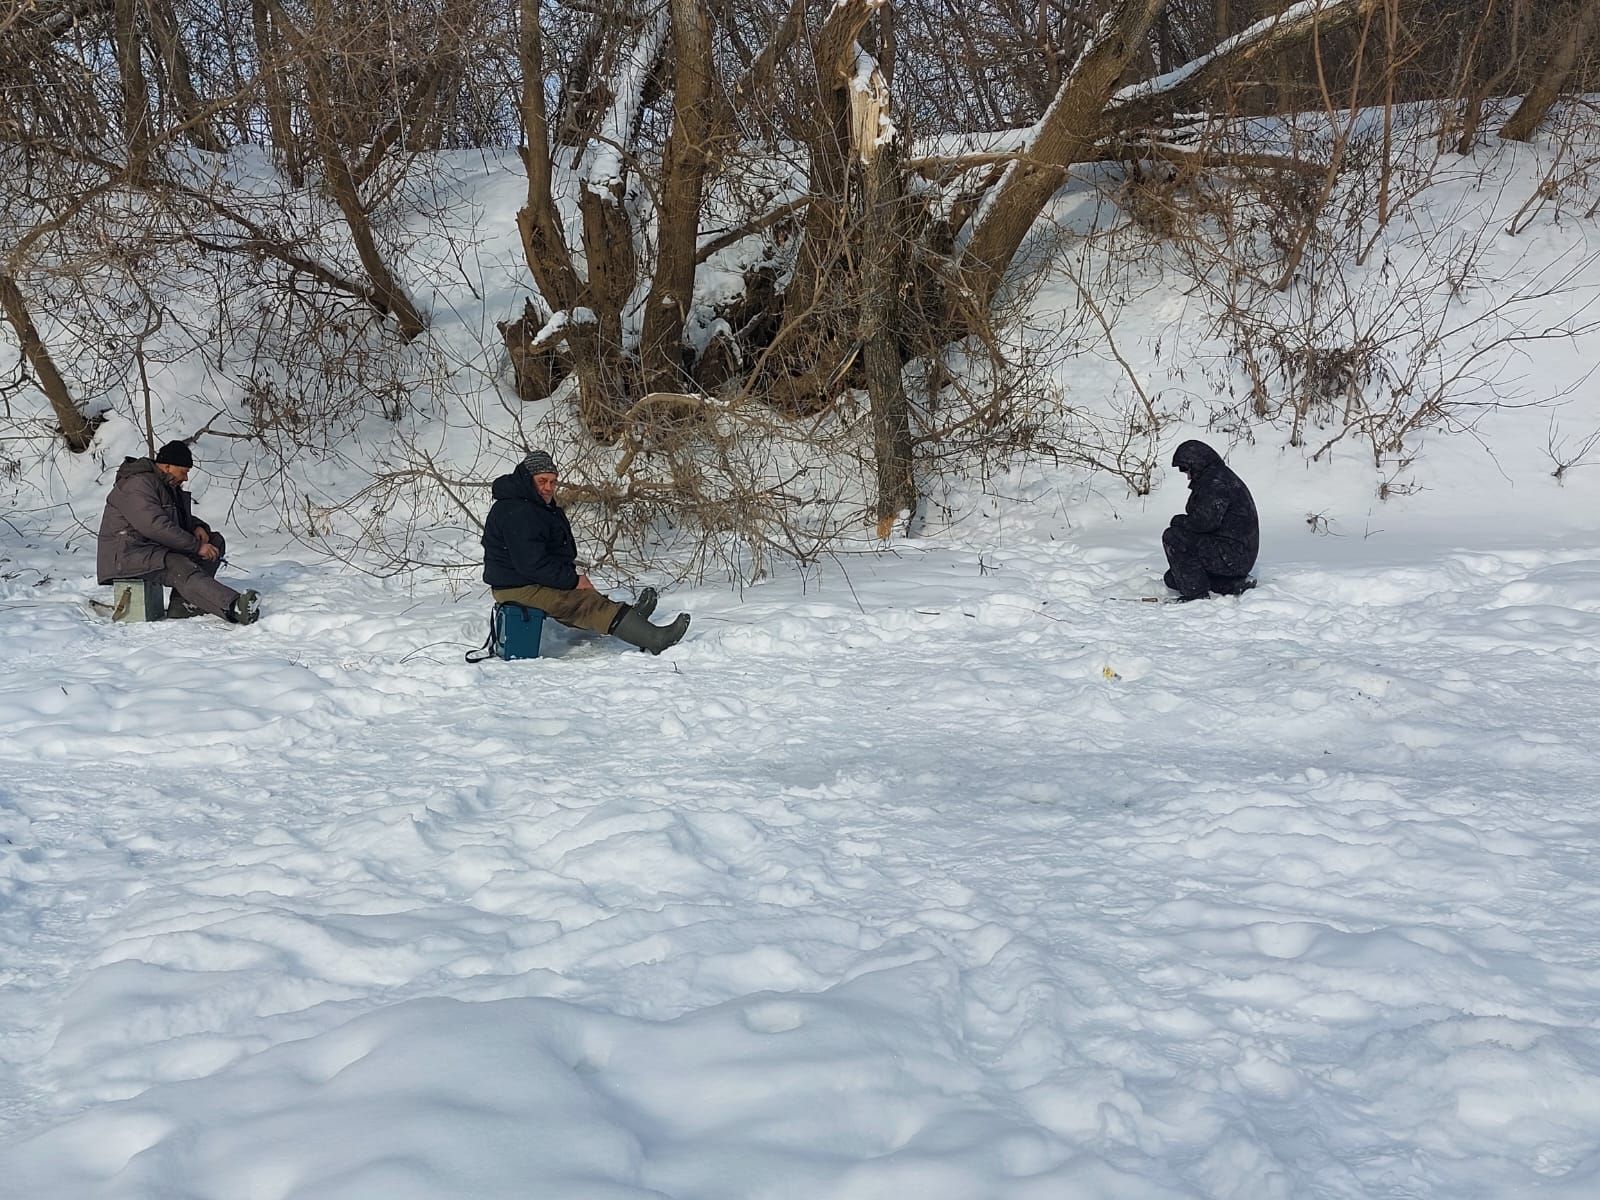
(637,631)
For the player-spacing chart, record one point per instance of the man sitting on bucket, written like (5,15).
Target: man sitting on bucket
(149,531)
(530,558)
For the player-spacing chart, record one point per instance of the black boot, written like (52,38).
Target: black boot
(646,603)
(637,630)
(1231,585)
(246,610)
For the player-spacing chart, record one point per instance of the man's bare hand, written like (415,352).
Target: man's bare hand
(203,534)
(584,585)
(209,552)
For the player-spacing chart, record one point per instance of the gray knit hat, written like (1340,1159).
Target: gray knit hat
(539,462)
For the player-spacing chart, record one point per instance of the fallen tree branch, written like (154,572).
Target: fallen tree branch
(1187,87)
(1213,160)
(766,221)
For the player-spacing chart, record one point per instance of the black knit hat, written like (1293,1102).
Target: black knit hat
(175,454)
(539,462)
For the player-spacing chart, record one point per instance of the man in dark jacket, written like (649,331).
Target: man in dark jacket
(530,558)
(1212,546)
(149,531)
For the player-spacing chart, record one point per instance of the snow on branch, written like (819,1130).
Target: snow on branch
(52,22)
(603,167)
(1292,25)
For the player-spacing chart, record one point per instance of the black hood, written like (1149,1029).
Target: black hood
(1195,458)
(515,486)
(518,485)
(136,466)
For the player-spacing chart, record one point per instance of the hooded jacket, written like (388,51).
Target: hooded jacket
(1220,506)
(145,517)
(527,542)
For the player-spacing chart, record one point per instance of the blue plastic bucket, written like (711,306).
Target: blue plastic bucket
(515,631)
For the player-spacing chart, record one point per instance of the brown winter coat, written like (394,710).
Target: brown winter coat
(145,517)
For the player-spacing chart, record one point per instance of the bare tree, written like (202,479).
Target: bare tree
(76,429)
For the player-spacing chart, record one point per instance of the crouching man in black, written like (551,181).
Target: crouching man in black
(530,558)
(1212,545)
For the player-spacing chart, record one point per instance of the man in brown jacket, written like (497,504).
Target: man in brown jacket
(149,531)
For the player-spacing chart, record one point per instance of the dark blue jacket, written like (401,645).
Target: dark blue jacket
(1220,506)
(527,542)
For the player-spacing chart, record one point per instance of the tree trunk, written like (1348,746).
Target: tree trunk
(179,73)
(613,265)
(136,120)
(539,223)
(1065,135)
(678,217)
(1165,57)
(884,267)
(608,232)
(1478,83)
(75,428)
(1536,104)
(280,112)
(824,237)
(603,390)
(388,295)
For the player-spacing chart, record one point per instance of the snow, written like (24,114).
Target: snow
(941,870)
(861,890)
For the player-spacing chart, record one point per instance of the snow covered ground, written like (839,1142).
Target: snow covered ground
(946,871)
(941,874)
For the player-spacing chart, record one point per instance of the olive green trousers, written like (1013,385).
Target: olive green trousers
(580,608)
